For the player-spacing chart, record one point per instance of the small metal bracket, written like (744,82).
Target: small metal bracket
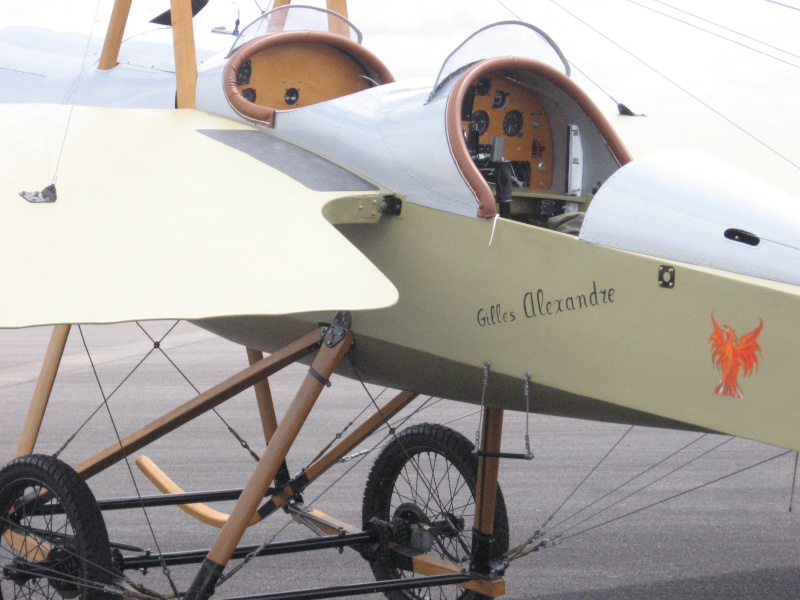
(336,331)
(666,276)
(318,377)
(48,194)
(390,205)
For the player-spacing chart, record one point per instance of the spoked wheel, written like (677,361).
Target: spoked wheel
(426,477)
(53,540)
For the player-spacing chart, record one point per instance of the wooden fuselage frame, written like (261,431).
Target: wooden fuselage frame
(279,435)
(599,335)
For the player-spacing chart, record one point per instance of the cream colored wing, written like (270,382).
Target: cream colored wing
(171,214)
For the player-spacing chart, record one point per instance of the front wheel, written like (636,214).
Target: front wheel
(53,540)
(427,475)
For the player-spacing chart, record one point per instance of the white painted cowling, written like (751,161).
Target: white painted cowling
(691,207)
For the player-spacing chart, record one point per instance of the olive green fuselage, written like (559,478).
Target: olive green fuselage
(604,334)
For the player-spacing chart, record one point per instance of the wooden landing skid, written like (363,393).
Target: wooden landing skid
(331,344)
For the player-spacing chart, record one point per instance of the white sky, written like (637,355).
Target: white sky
(414,36)
(735,72)
(749,85)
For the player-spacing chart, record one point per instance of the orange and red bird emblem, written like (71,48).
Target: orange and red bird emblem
(730,353)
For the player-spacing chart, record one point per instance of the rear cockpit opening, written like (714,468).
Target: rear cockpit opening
(530,143)
(539,145)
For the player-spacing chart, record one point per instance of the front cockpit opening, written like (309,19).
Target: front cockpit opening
(282,63)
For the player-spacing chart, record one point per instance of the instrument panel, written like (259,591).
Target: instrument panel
(497,107)
(299,74)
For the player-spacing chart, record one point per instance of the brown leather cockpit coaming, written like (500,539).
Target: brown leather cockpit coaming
(287,70)
(502,96)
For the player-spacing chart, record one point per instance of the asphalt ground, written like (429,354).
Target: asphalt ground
(734,538)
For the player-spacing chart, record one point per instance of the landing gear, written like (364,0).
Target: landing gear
(423,483)
(53,540)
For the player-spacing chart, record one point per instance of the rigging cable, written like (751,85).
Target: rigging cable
(679,494)
(683,89)
(527,547)
(519,550)
(644,487)
(164,568)
(634,478)
(733,30)
(72,91)
(358,458)
(571,64)
(157,346)
(722,37)
(783,4)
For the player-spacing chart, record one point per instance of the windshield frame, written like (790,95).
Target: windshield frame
(443,77)
(265,17)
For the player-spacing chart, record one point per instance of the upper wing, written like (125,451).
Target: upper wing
(170,214)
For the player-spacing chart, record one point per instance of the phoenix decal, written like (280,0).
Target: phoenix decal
(729,353)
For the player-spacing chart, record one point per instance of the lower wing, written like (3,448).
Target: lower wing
(171,214)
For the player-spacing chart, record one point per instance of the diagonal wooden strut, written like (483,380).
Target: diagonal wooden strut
(182,43)
(266,410)
(326,361)
(329,356)
(200,404)
(113,39)
(287,491)
(44,387)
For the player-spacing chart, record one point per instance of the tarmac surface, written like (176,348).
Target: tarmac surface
(734,538)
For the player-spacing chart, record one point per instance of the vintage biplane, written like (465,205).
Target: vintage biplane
(487,236)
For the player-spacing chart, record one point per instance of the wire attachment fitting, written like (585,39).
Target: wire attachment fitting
(47,194)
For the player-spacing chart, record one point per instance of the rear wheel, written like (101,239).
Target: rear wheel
(426,476)
(53,540)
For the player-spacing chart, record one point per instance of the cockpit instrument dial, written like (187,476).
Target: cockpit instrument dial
(500,100)
(291,96)
(244,72)
(479,122)
(512,123)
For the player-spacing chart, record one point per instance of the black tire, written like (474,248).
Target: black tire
(74,559)
(397,485)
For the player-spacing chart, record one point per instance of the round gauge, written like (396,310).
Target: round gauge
(291,96)
(243,73)
(500,99)
(479,122)
(512,124)
(484,86)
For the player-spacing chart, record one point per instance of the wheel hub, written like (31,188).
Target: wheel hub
(61,569)
(410,512)
(68,570)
